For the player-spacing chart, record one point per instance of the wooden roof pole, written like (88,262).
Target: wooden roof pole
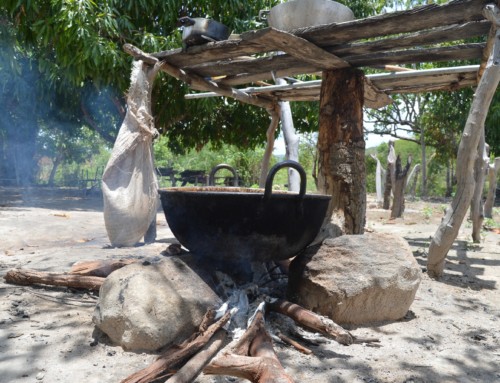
(448,229)
(199,83)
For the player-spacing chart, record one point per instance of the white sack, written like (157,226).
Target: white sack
(129,183)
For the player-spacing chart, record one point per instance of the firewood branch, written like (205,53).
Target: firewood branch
(27,277)
(252,358)
(177,355)
(312,321)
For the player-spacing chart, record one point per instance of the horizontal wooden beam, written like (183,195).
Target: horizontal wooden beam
(416,81)
(199,83)
(302,50)
(423,18)
(422,38)
(417,19)
(285,66)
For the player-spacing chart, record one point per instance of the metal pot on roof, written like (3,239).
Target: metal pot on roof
(296,14)
(199,30)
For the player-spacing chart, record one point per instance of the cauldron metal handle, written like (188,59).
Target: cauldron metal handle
(285,164)
(211,177)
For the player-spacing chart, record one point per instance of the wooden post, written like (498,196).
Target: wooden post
(341,148)
(390,175)
(476,206)
(398,203)
(448,229)
(492,180)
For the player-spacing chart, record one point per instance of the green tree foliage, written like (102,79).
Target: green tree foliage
(77,47)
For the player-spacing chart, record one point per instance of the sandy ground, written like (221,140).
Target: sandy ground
(451,334)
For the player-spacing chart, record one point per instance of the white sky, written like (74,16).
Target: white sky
(373,140)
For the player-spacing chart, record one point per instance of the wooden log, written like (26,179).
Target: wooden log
(450,225)
(241,72)
(99,268)
(293,343)
(174,357)
(312,321)
(297,47)
(32,277)
(341,149)
(252,358)
(195,365)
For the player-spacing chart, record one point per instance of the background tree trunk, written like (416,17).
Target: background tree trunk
(53,171)
(378,181)
(398,203)
(275,119)
(291,141)
(341,148)
(411,184)
(450,225)
(389,175)
(492,180)
(424,163)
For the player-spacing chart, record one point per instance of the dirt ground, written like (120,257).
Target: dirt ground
(451,334)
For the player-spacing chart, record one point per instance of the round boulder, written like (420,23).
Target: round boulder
(143,307)
(356,279)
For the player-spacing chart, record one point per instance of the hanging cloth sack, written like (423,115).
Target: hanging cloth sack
(129,183)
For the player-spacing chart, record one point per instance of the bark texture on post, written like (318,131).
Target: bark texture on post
(341,148)
(398,204)
(450,225)
(492,180)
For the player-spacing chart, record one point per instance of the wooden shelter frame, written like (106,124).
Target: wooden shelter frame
(239,68)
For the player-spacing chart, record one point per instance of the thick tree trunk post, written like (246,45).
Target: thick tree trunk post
(275,119)
(291,141)
(476,206)
(341,148)
(450,225)
(492,180)
(398,203)
(389,175)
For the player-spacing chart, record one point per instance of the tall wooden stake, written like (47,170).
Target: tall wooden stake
(467,151)
(341,148)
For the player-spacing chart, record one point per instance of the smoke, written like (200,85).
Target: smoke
(18,121)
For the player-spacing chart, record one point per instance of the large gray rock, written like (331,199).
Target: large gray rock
(356,279)
(145,307)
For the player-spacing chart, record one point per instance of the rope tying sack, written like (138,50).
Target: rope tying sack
(129,183)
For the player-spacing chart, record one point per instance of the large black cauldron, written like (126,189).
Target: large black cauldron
(233,224)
